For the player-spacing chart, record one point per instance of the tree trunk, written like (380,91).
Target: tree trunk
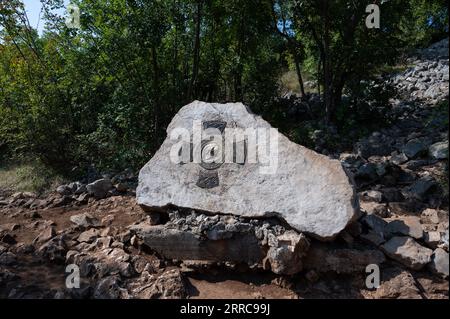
(327,69)
(156,87)
(195,66)
(318,76)
(299,73)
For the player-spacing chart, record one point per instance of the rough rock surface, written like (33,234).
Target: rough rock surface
(439,262)
(408,252)
(84,220)
(429,77)
(99,188)
(341,261)
(398,285)
(226,239)
(310,191)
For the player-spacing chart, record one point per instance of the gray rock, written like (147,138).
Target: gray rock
(186,245)
(439,150)
(392,195)
(399,284)
(8,259)
(373,238)
(415,164)
(367,171)
(88,235)
(408,226)
(444,239)
(377,224)
(310,191)
(421,187)
(398,158)
(374,145)
(342,261)
(99,188)
(381,210)
(80,189)
(64,190)
(83,198)
(430,216)
(109,288)
(439,262)
(45,235)
(54,250)
(85,220)
(121,187)
(285,256)
(408,252)
(350,160)
(170,284)
(414,148)
(7,238)
(73,186)
(432,239)
(371,196)
(63,201)
(226,239)
(25,249)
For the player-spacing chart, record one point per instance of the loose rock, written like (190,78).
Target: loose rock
(439,262)
(408,252)
(99,189)
(85,220)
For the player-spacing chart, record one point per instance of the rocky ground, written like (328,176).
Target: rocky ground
(401,176)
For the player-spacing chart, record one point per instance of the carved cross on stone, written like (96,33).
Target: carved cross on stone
(209,177)
(310,191)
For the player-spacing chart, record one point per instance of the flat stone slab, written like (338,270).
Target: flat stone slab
(260,243)
(407,252)
(266,174)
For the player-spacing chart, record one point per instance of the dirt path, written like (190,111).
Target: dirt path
(33,277)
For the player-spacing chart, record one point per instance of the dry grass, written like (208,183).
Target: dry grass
(31,177)
(289,83)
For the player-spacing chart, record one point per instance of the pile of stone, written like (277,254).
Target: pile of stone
(226,239)
(399,173)
(102,187)
(428,78)
(410,240)
(436,51)
(106,259)
(76,193)
(400,203)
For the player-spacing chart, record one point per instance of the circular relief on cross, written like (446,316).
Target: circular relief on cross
(211,155)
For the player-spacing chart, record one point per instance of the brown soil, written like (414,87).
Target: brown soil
(39,276)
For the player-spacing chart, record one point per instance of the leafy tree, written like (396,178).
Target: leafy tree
(103,94)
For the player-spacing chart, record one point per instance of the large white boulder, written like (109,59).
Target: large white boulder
(311,192)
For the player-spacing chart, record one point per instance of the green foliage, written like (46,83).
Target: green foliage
(366,107)
(105,94)
(425,21)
